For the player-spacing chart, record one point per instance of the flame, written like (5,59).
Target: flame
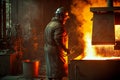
(81,10)
(89,49)
(86,29)
(117,33)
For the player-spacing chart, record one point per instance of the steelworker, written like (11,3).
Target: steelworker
(56,45)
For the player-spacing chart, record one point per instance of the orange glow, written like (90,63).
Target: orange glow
(36,68)
(81,10)
(117,32)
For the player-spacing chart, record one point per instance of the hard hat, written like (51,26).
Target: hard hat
(61,10)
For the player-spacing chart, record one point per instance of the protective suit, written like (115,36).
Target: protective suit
(55,48)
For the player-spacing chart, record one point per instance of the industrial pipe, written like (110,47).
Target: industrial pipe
(0,19)
(4,19)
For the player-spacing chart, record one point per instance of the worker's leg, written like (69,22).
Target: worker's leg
(50,78)
(57,79)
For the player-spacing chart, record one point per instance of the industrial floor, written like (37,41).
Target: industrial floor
(20,77)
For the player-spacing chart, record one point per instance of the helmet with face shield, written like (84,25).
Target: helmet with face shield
(62,14)
(61,11)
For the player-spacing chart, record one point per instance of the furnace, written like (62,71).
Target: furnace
(104,21)
(103,33)
(94,70)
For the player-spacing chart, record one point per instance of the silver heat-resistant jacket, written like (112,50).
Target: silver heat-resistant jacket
(56,40)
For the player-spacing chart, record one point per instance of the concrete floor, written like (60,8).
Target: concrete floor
(20,77)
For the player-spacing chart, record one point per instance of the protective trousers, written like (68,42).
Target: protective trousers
(54,78)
